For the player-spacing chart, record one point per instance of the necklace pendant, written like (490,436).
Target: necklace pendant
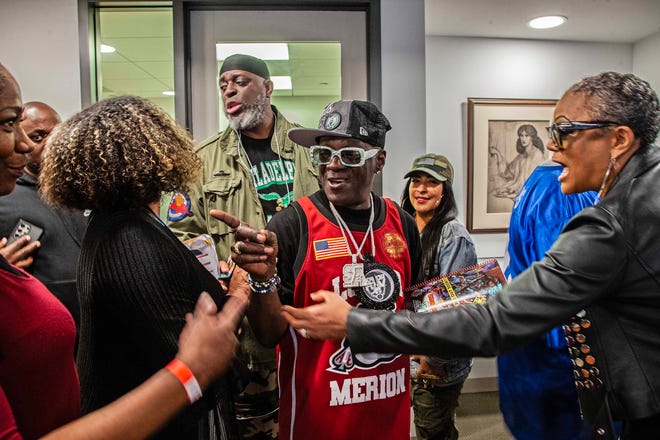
(382,287)
(353,275)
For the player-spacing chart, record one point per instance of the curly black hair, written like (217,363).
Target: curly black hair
(532,133)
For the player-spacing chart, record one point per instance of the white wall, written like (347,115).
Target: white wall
(403,88)
(458,68)
(646,62)
(41,50)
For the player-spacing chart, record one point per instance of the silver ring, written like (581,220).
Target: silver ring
(235,248)
(303,332)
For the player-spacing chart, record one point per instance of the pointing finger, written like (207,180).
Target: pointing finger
(226,218)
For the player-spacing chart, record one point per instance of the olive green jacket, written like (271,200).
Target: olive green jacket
(226,184)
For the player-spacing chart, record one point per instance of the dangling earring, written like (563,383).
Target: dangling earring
(607,175)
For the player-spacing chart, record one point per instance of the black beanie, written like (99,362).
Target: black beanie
(245,62)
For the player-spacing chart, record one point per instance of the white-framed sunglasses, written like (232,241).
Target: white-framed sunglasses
(348,156)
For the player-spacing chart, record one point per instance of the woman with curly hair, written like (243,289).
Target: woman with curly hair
(136,281)
(39,387)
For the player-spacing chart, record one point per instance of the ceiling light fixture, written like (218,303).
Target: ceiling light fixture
(168,93)
(281,82)
(264,51)
(107,49)
(546,22)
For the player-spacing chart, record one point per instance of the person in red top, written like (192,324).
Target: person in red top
(39,388)
(35,329)
(344,239)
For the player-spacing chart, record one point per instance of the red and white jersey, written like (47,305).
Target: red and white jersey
(326,392)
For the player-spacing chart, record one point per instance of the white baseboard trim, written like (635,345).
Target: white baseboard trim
(480,385)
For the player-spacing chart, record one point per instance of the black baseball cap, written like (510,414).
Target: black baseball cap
(349,119)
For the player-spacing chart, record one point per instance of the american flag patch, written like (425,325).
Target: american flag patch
(330,248)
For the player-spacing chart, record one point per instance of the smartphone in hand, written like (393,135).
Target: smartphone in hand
(24,227)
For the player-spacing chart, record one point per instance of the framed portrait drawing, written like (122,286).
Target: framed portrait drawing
(506,141)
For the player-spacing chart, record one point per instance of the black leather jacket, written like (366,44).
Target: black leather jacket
(606,260)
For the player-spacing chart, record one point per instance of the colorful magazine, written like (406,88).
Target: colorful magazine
(470,285)
(203,248)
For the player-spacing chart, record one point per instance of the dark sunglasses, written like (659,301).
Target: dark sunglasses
(348,156)
(559,130)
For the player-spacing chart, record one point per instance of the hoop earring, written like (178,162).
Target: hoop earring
(607,175)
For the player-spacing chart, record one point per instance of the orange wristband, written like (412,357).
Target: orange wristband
(187,379)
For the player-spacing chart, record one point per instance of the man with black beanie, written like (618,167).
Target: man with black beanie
(252,170)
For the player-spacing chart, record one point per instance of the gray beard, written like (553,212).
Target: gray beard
(251,116)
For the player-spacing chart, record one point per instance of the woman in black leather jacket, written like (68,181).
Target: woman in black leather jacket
(603,270)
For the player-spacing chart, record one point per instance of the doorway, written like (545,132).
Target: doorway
(347,30)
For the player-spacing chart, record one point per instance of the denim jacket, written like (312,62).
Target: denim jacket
(455,251)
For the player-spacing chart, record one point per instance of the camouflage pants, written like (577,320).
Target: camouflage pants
(261,428)
(435,411)
(257,405)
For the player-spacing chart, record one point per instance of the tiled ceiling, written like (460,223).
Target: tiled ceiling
(143,64)
(143,61)
(314,68)
(607,21)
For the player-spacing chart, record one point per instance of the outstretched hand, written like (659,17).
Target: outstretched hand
(207,345)
(208,342)
(254,250)
(19,253)
(325,320)
(238,285)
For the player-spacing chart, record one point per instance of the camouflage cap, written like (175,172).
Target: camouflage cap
(435,165)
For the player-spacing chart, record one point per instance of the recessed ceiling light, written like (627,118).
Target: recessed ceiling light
(168,93)
(107,49)
(546,22)
(281,82)
(265,51)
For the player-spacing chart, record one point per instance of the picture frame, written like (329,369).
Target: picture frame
(506,141)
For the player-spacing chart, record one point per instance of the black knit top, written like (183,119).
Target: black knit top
(136,282)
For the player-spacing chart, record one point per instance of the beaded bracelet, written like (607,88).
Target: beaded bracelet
(187,379)
(262,287)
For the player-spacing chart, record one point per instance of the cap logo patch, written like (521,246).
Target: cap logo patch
(426,161)
(363,131)
(332,121)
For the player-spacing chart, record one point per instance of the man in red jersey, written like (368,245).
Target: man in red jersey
(348,240)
